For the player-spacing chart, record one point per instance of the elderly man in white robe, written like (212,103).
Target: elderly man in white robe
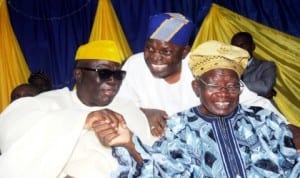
(52,134)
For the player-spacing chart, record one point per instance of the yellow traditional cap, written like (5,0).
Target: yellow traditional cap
(215,55)
(99,50)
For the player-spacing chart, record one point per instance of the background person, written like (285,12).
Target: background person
(40,80)
(23,90)
(259,75)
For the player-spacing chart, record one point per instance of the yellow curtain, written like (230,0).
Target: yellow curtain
(107,27)
(13,68)
(221,23)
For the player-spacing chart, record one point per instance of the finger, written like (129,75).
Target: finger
(124,137)
(159,131)
(156,132)
(89,120)
(122,121)
(105,133)
(107,139)
(115,118)
(165,116)
(161,124)
(99,123)
(99,126)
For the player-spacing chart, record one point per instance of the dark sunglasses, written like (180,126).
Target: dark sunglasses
(105,74)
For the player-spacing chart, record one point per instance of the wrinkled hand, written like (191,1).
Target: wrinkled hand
(109,126)
(157,121)
(103,115)
(109,135)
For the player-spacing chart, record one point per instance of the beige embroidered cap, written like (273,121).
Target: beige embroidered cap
(215,55)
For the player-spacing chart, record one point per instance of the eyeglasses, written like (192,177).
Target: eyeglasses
(105,74)
(230,88)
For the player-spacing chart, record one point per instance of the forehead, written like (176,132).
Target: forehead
(220,74)
(25,89)
(241,39)
(97,63)
(162,44)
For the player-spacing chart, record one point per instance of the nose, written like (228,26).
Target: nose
(112,81)
(156,57)
(224,91)
(223,88)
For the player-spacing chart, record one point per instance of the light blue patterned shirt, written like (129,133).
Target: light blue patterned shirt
(252,142)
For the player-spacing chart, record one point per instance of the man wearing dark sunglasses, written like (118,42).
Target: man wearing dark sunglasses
(53,134)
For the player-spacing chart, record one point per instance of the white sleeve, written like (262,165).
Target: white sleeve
(128,87)
(250,98)
(35,142)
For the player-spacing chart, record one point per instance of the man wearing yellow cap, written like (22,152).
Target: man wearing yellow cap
(158,79)
(53,134)
(219,137)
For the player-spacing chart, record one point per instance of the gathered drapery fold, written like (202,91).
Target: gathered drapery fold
(107,27)
(13,67)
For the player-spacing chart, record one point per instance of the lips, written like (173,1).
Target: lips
(222,104)
(159,67)
(109,92)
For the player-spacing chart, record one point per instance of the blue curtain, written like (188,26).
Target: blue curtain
(49,32)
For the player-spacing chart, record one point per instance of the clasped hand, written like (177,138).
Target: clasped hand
(109,126)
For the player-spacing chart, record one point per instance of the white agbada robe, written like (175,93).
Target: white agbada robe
(43,137)
(147,91)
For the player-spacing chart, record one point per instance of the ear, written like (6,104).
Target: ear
(77,75)
(186,50)
(196,87)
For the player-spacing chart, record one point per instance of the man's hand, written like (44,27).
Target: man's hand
(109,136)
(157,121)
(111,130)
(103,115)
(109,126)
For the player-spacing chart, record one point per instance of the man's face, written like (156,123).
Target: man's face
(219,91)
(244,43)
(163,58)
(23,91)
(91,89)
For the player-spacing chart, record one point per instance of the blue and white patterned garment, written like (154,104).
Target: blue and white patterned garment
(252,142)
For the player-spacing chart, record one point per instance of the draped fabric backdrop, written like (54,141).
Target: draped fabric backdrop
(49,32)
(107,27)
(13,68)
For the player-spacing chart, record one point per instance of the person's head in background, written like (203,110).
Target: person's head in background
(244,40)
(97,72)
(167,44)
(217,68)
(40,80)
(23,90)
